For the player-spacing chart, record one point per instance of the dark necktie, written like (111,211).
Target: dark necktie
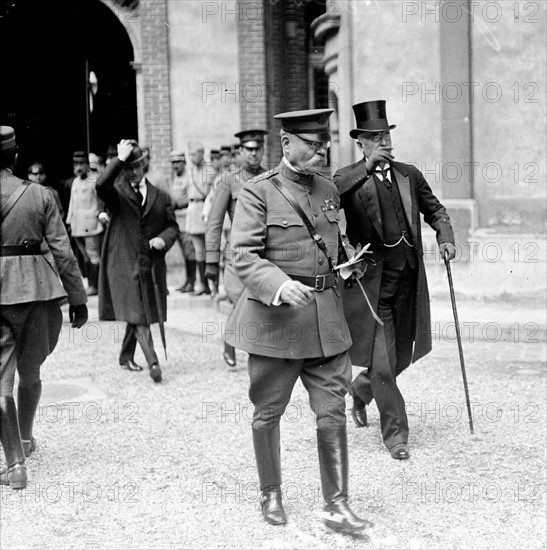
(140,196)
(382,174)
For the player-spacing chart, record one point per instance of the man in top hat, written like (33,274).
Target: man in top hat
(141,230)
(382,200)
(224,202)
(179,194)
(30,293)
(289,317)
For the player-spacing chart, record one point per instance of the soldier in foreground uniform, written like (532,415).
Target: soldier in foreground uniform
(30,315)
(289,318)
(224,201)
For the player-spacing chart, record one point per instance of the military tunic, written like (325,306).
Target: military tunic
(224,201)
(269,243)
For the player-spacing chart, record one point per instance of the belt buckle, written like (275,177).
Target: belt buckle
(318,287)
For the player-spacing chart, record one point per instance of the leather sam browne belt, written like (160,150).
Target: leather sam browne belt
(319,282)
(25,249)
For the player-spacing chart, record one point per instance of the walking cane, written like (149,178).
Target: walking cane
(459,338)
(159,301)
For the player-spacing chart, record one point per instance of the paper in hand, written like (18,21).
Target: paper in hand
(346,269)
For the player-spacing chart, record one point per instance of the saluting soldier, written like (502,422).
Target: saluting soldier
(225,198)
(289,318)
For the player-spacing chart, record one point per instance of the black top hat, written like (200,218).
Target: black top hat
(136,155)
(370,116)
(251,138)
(312,124)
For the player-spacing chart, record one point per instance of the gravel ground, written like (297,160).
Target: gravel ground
(124,463)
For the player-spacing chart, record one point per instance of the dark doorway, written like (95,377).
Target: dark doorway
(50,49)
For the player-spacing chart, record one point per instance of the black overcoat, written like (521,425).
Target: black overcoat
(126,292)
(359,199)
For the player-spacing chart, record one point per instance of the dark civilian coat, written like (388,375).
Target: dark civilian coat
(361,205)
(126,292)
(269,242)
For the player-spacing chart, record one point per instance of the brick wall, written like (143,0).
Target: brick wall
(155,76)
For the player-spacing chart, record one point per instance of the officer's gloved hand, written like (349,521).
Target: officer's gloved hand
(77,315)
(212,272)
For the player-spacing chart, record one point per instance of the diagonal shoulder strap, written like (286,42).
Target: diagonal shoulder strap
(14,197)
(292,201)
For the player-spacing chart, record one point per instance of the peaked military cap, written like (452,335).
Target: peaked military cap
(175,156)
(251,138)
(7,139)
(370,116)
(225,149)
(312,124)
(80,156)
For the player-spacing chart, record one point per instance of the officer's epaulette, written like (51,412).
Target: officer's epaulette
(264,175)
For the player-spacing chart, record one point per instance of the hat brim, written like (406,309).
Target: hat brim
(316,136)
(135,161)
(358,131)
(252,143)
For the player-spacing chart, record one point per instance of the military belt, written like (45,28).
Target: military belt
(25,249)
(319,282)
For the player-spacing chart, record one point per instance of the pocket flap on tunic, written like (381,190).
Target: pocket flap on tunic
(283,219)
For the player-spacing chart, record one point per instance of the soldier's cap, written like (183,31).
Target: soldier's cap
(251,138)
(370,116)
(215,152)
(177,155)
(226,149)
(36,168)
(7,139)
(112,151)
(80,156)
(312,125)
(137,154)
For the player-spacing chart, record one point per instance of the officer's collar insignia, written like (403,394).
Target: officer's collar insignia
(329,204)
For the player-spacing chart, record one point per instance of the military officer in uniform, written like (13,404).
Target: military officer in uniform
(225,198)
(382,200)
(289,318)
(38,270)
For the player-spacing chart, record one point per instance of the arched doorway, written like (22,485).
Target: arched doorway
(45,89)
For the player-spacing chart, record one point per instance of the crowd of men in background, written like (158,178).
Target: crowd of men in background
(191,188)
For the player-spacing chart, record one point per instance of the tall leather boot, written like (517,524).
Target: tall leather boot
(188,286)
(204,284)
(15,475)
(332,446)
(28,399)
(268,461)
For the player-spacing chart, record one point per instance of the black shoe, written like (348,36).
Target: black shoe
(400,452)
(272,507)
(187,287)
(29,446)
(129,364)
(339,517)
(15,476)
(155,373)
(359,415)
(229,355)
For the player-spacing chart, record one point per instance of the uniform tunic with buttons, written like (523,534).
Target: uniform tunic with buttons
(269,242)
(197,181)
(224,201)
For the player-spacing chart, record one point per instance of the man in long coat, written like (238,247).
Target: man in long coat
(141,230)
(290,317)
(224,201)
(38,271)
(382,201)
